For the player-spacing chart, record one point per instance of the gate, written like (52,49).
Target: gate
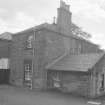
(4,76)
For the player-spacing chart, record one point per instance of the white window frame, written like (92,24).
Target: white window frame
(27,71)
(27,67)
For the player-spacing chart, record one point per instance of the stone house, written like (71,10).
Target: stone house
(50,56)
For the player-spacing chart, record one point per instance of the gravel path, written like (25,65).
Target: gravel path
(16,96)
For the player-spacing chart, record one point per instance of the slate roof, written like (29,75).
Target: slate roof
(82,62)
(6,36)
(54,28)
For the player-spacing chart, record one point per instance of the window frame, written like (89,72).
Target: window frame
(29,41)
(28,72)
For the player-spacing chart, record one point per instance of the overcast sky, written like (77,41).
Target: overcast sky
(17,15)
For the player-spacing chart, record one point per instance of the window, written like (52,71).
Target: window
(28,76)
(102,81)
(79,48)
(27,67)
(28,73)
(29,42)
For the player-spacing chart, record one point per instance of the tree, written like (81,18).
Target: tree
(79,32)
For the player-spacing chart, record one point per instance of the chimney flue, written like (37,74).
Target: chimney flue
(64,16)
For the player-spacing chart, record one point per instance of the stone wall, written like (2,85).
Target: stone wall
(72,82)
(97,71)
(77,83)
(17,58)
(19,54)
(87,47)
(39,73)
(55,46)
(5,48)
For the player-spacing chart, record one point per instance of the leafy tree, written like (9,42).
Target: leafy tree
(79,32)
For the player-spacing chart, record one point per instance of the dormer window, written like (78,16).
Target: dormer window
(29,42)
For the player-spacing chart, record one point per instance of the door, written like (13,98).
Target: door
(53,80)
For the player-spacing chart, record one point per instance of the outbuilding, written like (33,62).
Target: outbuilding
(82,74)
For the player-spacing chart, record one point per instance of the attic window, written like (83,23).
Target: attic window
(29,42)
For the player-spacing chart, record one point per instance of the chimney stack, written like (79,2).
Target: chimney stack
(64,16)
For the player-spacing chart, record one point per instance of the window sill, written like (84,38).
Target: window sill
(28,48)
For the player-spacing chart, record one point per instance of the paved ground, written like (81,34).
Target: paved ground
(16,96)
